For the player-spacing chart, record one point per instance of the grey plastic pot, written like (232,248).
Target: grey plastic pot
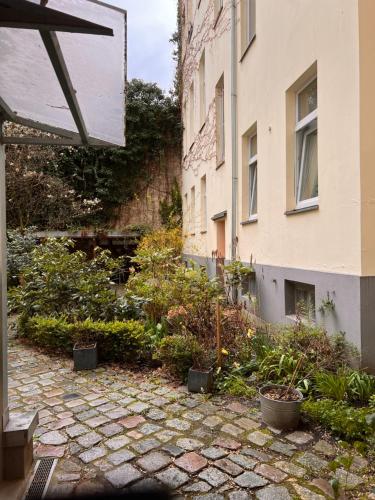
(85,358)
(283,415)
(200,380)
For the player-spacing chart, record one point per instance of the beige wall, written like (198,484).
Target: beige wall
(291,36)
(367,133)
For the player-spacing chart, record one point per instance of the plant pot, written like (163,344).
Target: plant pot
(283,415)
(85,357)
(200,380)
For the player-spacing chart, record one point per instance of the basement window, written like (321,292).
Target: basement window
(300,300)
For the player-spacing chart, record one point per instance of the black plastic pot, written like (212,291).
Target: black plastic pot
(85,357)
(200,380)
(283,415)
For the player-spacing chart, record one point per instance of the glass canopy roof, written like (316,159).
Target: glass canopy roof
(69,84)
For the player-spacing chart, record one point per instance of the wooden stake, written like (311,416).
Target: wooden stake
(218,335)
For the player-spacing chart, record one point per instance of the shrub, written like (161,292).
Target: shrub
(59,282)
(235,385)
(170,239)
(117,340)
(20,244)
(178,353)
(343,420)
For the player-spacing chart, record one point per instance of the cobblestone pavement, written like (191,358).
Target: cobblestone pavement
(114,429)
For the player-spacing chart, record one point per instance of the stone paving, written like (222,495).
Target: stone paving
(112,429)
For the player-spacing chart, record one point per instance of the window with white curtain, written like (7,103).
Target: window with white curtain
(307,190)
(253,177)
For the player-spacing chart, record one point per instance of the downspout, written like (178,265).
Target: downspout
(234,129)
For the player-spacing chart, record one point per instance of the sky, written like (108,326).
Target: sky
(150,26)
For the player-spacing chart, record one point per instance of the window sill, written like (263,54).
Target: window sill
(250,221)
(192,145)
(220,164)
(204,232)
(297,211)
(247,48)
(192,234)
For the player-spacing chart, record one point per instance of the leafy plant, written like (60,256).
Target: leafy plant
(235,385)
(361,387)
(58,282)
(332,385)
(327,305)
(178,353)
(19,247)
(342,419)
(235,274)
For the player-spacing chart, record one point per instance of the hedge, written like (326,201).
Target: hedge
(117,340)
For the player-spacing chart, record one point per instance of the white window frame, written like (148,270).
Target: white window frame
(304,123)
(204,203)
(253,164)
(220,125)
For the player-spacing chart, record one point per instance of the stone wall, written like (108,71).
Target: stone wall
(144,208)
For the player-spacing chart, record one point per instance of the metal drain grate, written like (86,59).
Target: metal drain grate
(42,476)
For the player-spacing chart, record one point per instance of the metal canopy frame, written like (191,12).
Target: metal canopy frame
(26,14)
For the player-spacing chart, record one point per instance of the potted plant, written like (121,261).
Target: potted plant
(201,374)
(280,404)
(85,353)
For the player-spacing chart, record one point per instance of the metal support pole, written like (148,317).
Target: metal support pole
(4,410)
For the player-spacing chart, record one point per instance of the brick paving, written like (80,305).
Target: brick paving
(112,429)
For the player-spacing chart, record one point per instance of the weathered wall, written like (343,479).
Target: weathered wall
(144,209)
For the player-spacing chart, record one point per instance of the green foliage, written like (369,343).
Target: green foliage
(171,208)
(342,419)
(163,281)
(115,175)
(178,353)
(235,274)
(361,387)
(332,385)
(235,385)
(19,247)
(58,282)
(117,341)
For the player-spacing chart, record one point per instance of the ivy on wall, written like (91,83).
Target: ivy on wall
(153,127)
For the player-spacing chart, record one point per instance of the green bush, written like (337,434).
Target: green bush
(178,353)
(342,419)
(20,244)
(361,387)
(117,340)
(235,385)
(59,282)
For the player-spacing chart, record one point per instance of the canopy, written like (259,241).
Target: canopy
(63,70)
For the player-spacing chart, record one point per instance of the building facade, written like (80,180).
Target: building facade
(279,154)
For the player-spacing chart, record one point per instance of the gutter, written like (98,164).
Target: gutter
(234,129)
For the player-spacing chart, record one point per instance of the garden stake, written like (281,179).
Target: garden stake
(218,335)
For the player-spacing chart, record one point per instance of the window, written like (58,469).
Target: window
(202,89)
(203,204)
(220,124)
(186,218)
(192,210)
(253,177)
(191,114)
(185,133)
(300,300)
(218,7)
(248,23)
(307,146)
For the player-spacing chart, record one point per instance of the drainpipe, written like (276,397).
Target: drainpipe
(234,137)
(234,128)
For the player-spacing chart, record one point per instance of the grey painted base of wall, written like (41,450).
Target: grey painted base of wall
(353,296)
